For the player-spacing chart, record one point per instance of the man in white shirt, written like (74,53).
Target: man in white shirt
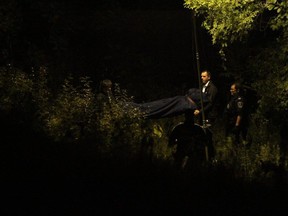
(210,90)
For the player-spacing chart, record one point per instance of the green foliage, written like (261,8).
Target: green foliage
(71,116)
(70,113)
(231,20)
(226,20)
(16,89)
(272,83)
(247,160)
(281,8)
(119,126)
(265,148)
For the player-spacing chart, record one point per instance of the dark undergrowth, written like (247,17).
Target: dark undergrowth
(41,178)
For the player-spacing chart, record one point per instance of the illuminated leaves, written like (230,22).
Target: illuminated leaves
(226,20)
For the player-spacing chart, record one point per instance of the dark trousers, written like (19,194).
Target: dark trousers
(237,133)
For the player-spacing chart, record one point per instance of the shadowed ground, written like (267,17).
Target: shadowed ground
(39,178)
(65,184)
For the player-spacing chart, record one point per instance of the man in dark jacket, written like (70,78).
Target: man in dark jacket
(209,108)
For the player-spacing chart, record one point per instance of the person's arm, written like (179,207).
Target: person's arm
(238,121)
(240,109)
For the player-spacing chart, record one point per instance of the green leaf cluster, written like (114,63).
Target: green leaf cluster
(16,88)
(226,20)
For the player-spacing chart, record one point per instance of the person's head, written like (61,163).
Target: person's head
(106,86)
(205,76)
(235,89)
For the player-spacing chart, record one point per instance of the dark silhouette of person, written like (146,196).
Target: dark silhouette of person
(104,97)
(190,140)
(105,94)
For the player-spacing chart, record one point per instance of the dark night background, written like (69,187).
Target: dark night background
(147,46)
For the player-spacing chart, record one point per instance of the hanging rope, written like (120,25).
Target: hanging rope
(199,81)
(198,68)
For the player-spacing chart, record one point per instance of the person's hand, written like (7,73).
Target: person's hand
(196,112)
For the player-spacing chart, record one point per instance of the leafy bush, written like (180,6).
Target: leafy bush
(72,116)
(16,89)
